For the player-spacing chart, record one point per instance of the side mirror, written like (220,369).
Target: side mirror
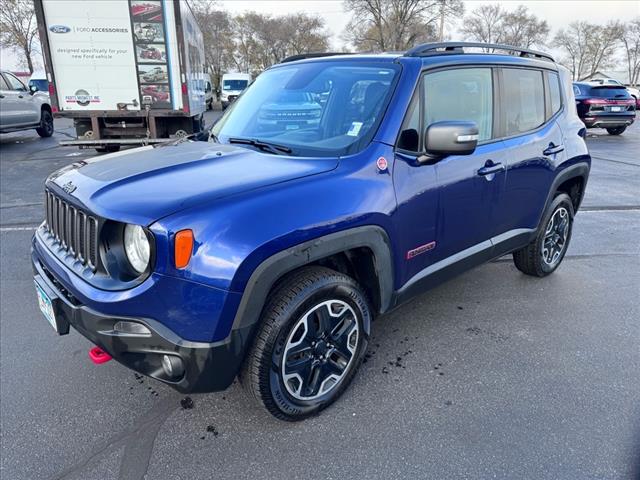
(33,88)
(450,137)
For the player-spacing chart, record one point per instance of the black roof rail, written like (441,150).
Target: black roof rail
(449,48)
(303,56)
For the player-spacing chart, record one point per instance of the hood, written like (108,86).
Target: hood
(145,184)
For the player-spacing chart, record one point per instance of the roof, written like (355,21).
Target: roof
(621,75)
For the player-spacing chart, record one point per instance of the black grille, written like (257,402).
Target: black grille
(74,230)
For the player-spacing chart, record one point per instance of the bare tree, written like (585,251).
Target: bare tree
(18,29)
(588,47)
(383,25)
(448,10)
(492,24)
(602,45)
(483,24)
(631,42)
(262,40)
(523,29)
(217,33)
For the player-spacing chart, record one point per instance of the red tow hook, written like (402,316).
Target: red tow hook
(98,356)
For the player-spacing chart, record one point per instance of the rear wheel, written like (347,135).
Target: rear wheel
(616,130)
(545,253)
(313,335)
(46,124)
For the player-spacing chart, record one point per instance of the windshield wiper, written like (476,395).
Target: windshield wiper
(262,145)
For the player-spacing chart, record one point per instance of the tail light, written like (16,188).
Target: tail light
(607,101)
(52,92)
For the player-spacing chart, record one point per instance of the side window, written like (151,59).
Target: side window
(522,100)
(14,83)
(3,84)
(460,94)
(554,93)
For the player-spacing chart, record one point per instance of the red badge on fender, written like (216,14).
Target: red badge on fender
(382,164)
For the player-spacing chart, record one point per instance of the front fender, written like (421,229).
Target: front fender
(270,270)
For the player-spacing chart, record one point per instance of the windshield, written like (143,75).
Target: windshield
(234,84)
(42,85)
(315,109)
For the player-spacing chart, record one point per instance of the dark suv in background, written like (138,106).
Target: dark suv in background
(605,106)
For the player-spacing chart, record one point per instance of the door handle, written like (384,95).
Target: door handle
(553,149)
(490,168)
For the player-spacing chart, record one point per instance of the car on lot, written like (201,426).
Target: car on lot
(633,91)
(268,255)
(23,108)
(232,85)
(604,106)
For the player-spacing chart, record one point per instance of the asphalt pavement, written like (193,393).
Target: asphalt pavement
(491,375)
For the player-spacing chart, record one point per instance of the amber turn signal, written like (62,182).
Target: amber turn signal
(183,248)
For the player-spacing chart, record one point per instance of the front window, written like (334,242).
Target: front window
(314,109)
(234,85)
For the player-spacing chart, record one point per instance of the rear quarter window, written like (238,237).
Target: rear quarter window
(522,100)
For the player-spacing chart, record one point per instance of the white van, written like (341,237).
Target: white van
(232,85)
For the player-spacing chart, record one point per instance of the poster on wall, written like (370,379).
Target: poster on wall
(93,55)
(149,39)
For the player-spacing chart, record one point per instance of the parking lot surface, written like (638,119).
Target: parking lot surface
(491,375)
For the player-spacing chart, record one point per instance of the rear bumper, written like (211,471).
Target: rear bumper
(608,121)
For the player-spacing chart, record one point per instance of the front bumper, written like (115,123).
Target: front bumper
(207,366)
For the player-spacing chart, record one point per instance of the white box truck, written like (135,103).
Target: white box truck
(127,71)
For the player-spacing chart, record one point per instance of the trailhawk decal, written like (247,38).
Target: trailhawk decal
(421,249)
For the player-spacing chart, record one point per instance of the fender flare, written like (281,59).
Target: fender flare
(576,170)
(270,270)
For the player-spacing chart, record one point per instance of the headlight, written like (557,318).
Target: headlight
(136,245)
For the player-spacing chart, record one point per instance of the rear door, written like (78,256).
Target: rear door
(530,101)
(8,105)
(19,101)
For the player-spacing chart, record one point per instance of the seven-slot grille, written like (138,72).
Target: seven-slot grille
(73,229)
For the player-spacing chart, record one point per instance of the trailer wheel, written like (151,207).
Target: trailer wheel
(108,149)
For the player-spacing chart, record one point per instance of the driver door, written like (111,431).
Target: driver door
(447,206)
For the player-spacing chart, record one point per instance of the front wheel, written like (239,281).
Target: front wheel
(45,129)
(616,130)
(313,335)
(545,253)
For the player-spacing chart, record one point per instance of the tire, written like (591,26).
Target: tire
(108,149)
(616,130)
(292,322)
(537,258)
(45,130)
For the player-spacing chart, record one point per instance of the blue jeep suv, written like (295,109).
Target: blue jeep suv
(264,250)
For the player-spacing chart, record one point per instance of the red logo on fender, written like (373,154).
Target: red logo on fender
(421,249)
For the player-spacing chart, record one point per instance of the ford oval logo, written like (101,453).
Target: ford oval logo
(59,29)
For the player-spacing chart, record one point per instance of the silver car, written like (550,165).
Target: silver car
(23,108)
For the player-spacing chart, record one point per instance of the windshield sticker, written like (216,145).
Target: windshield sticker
(355,129)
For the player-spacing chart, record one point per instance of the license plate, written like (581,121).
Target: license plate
(46,307)
(616,109)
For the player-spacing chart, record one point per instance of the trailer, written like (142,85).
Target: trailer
(129,72)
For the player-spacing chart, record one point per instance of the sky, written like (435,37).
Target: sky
(556,12)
